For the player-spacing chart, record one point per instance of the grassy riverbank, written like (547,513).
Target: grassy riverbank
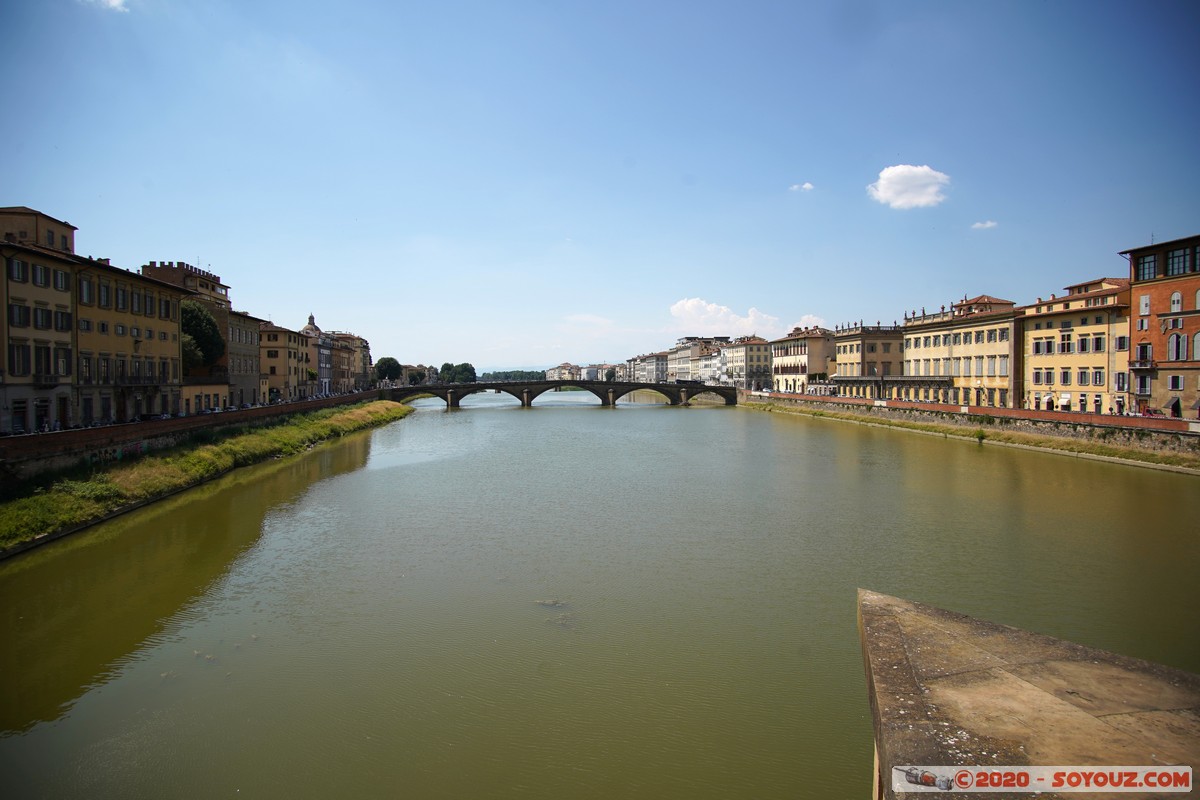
(1183,461)
(71,503)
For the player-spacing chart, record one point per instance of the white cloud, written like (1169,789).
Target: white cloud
(979,226)
(808,321)
(697,317)
(906,186)
(111,5)
(801,187)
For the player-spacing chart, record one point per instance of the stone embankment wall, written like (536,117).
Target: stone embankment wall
(30,455)
(1156,434)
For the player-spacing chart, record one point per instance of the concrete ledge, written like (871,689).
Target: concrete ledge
(949,690)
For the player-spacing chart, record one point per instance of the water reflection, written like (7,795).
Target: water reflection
(74,611)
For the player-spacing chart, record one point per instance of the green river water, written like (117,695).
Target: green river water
(566,601)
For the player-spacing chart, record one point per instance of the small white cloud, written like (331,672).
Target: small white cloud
(980,226)
(111,5)
(694,316)
(809,321)
(801,187)
(906,186)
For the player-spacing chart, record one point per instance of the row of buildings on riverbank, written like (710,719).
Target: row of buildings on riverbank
(85,341)
(1128,344)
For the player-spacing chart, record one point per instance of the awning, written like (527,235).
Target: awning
(1065,397)
(1196,405)
(1174,401)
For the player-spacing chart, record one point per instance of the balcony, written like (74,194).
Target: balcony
(45,380)
(1143,363)
(1141,391)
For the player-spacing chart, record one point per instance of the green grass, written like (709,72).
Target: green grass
(71,502)
(1061,444)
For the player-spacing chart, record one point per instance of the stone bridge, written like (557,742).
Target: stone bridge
(609,392)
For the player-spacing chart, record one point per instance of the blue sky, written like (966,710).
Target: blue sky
(522,183)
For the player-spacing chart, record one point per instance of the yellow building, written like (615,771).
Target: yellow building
(282,356)
(865,355)
(965,356)
(1076,349)
(84,341)
(129,348)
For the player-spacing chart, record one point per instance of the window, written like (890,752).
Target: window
(105,295)
(62,320)
(1082,377)
(1177,347)
(1145,352)
(1037,377)
(1064,377)
(120,330)
(1147,267)
(18,270)
(149,304)
(1098,343)
(42,318)
(1004,334)
(136,304)
(1177,262)
(85,290)
(925,342)
(1084,344)
(937,341)
(991,335)
(1064,344)
(102,326)
(50,238)
(978,337)
(1176,302)
(85,325)
(19,362)
(958,338)
(1175,383)
(979,363)
(41,275)
(62,281)
(1004,366)
(1121,382)
(272,354)
(135,331)
(18,315)
(122,298)
(1143,325)
(1097,377)
(1143,304)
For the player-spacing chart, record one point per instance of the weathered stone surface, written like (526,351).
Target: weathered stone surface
(948,689)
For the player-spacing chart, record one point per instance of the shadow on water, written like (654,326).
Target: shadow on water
(72,611)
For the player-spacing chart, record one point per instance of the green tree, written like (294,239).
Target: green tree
(446,373)
(610,374)
(415,378)
(196,321)
(387,369)
(457,373)
(193,358)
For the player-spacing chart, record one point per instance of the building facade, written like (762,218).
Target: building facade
(83,342)
(1164,313)
(282,356)
(965,356)
(800,358)
(1075,349)
(866,354)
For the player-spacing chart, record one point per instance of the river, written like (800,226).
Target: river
(562,601)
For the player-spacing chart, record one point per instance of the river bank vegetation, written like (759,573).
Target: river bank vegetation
(74,501)
(1066,445)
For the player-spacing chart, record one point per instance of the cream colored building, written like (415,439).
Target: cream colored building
(966,356)
(747,362)
(803,356)
(1076,349)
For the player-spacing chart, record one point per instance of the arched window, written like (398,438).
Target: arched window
(1176,302)
(1198,299)
(1196,346)
(1177,347)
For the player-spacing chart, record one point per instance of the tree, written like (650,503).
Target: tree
(196,321)
(457,373)
(387,369)
(610,374)
(415,378)
(192,357)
